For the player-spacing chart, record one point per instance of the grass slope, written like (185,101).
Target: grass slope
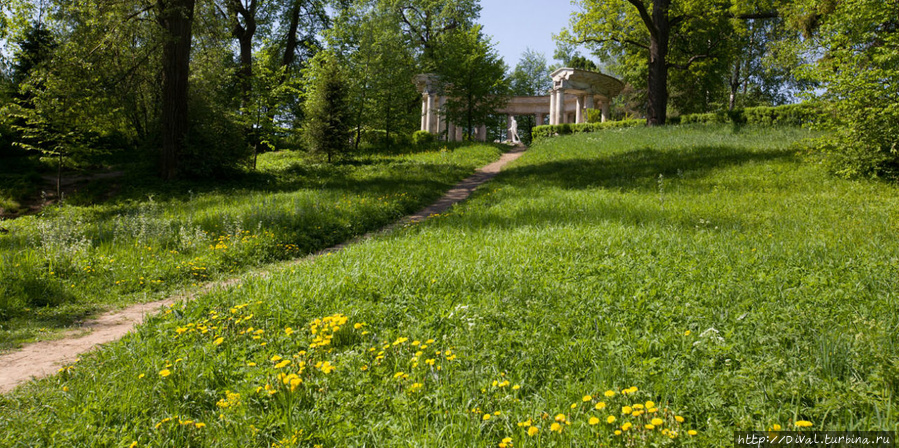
(655,282)
(158,237)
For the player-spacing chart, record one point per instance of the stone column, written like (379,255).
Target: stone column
(552,107)
(560,107)
(432,113)
(450,132)
(459,135)
(482,133)
(605,111)
(424,111)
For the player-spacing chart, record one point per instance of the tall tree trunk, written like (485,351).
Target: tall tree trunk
(657,109)
(244,34)
(176,19)
(290,47)
(734,86)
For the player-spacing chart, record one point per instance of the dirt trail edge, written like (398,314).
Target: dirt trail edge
(42,359)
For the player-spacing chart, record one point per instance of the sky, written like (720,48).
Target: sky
(515,26)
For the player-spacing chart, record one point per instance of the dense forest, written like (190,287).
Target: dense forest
(200,87)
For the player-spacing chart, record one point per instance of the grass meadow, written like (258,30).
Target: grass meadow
(636,287)
(154,238)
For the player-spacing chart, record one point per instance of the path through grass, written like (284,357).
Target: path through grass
(157,237)
(655,282)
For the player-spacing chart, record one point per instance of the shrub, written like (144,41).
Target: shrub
(804,114)
(540,132)
(420,138)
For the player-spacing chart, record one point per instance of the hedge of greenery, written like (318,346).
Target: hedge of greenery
(540,132)
(803,114)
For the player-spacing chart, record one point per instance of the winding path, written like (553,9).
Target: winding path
(42,359)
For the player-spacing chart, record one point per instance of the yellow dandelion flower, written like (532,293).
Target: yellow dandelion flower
(627,410)
(199,425)
(275,358)
(650,405)
(776,427)
(218,341)
(560,417)
(573,405)
(803,424)
(282,364)
(650,426)
(507,440)
(586,398)
(133,444)
(141,376)
(609,393)
(626,426)
(611,419)
(515,387)
(327,368)
(657,422)
(679,418)
(533,430)
(486,417)
(593,421)
(617,432)
(165,372)
(687,333)
(556,427)
(600,406)
(692,432)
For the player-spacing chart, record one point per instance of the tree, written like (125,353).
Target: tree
(426,22)
(175,17)
(859,72)
(531,77)
(472,76)
(327,122)
(680,34)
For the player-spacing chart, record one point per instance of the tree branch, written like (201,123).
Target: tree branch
(689,62)
(647,19)
(612,39)
(412,27)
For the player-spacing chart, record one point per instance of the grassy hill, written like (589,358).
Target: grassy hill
(633,286)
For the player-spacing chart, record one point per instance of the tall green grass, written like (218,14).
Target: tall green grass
(711,274)
(72,261)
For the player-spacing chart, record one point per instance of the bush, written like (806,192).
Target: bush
(804,114)
(540,132)
(420,138)
(216,146)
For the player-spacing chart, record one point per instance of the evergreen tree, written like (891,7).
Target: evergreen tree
(327,116)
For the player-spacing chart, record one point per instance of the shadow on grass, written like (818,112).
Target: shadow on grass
(638,169)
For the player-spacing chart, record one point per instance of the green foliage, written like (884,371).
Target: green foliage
(216,146)
(546,131)
(472,75)
(860,72)
(693,263)
(327,113)
(531,75)
(374,49)
(803,114)
(423,138)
